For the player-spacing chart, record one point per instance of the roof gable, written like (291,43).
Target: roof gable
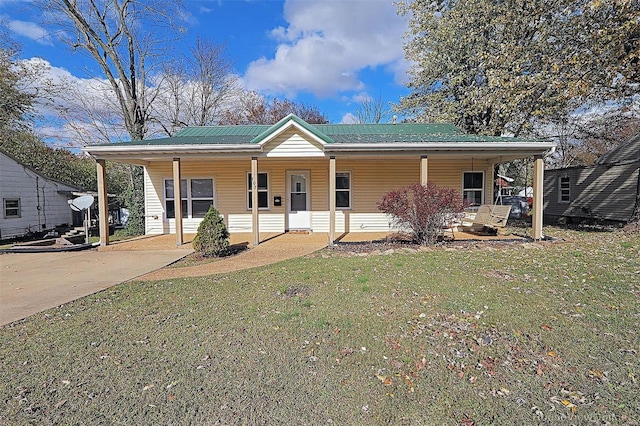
(626,152)
(285,124)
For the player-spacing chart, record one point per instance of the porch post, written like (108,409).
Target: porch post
(177,197)
(103,202)
(254,201)
(490,184)
(538,179)
(424,166)
(332,200)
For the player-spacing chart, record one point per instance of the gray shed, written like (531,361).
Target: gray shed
(605,191)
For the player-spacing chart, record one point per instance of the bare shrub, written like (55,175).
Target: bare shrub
(423,210)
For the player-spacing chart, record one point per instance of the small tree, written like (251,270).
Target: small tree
(423,210)
(212,238)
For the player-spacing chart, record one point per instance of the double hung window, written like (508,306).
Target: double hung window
(197,197)
(343,190)
(11,207)
(263,191)
(473,188)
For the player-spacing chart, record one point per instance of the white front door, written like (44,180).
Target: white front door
(298,200)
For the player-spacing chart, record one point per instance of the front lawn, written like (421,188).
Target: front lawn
(491,334)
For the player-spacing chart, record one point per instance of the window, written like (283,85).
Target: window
(197,197)
(564,189)
(263,191)
(473,188)
(343,190)
(11,208)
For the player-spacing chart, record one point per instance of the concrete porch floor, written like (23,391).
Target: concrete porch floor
(273,239)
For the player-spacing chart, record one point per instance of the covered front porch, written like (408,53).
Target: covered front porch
(300,176)
(261,217)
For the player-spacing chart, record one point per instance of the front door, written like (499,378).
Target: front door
(298,200)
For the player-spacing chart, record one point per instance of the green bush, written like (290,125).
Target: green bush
(212,239)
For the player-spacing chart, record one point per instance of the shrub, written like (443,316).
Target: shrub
(422,210)
(212,238)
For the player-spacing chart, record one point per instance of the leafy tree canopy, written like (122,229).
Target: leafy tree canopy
(495,67)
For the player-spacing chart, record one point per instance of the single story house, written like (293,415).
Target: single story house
(31,202)
(605,191)
(294,175)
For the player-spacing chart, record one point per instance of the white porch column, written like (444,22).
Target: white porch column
(103,202)
(538,179)
(177,197)
(424,167)
(332,200)
(254,201)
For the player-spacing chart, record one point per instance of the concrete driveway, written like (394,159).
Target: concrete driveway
(34,282)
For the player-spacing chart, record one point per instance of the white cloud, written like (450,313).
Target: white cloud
(73,111)
(30,30)
(327,44)
(348,118)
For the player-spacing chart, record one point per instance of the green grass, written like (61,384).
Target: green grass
(541,333)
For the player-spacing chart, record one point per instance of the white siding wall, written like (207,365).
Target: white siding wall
(268,222)
(16,181)
(320,221)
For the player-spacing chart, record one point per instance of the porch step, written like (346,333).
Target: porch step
(75,232)
(299,231)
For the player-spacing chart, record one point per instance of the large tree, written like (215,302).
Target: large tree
(195,89)
(15,102)
(496,67)
(372,110)
(125,39)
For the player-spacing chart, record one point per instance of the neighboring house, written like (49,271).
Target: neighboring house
(606,191)
(317,177)
(30,201)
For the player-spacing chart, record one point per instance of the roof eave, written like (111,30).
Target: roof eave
(101,150)
(439,146)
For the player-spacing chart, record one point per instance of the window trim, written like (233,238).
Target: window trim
(188,198)
(268,191)
(18,208)
(482,189)
(561,200)
(350,190)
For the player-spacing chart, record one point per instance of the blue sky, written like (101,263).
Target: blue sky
(325,53)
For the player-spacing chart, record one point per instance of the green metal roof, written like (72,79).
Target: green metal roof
(329,133)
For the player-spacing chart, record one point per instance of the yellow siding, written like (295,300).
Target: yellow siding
(370,180)
(292,144)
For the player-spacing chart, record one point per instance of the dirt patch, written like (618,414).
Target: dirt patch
(295,291)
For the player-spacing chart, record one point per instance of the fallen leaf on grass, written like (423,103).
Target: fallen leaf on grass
(546,327)
(148,387)
(61,403)
(570,405)
(595,373)
(385,380)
